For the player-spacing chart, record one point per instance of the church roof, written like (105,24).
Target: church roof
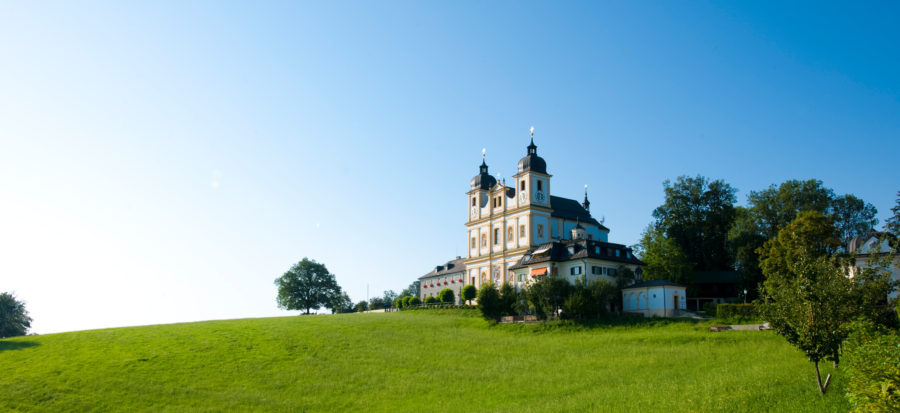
(572,210)
(483,180)
(451,267)
(531,161)
(566,250)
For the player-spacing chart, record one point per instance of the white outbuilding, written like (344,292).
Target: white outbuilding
(659,298)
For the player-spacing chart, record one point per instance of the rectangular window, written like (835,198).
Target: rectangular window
(596,270)
(575,270)
(473,201)
(521,278)
(473,242)
(540,231)
(522,231)
(617,252)
(483,240)
(496,236)
(611,272)
(522,185)
(540,188)
(509,234)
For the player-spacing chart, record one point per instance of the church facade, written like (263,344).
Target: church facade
(515,233)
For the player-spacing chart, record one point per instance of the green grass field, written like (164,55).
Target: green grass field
(409,361)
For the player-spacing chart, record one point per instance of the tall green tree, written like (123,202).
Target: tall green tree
(342,304)
(412,290)
(770,210)
(696,215)
(489,300)
(547,295)
(664,258)
(307,285)
(807,295)
(508,299)
(893,223)
(853,217)
(14,319)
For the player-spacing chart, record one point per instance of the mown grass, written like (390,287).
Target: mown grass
(410,361)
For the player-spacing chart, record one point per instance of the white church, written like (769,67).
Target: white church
(517,233)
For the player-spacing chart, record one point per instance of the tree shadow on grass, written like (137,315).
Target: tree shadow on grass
(16,345)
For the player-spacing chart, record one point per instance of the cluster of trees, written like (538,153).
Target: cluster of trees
(14,319)
(550,296)
(699,227)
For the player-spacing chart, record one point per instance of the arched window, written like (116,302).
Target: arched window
(473,201)
(522,185)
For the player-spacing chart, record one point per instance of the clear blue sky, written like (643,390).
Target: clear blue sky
(166,161)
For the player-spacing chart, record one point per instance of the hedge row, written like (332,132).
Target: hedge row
(738,311)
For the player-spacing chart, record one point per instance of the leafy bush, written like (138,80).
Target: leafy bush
(362,306)
(414,301)
(548,294)
(431,300)
(489,301)
(710,309)
(469,292)
(508,299)
(872,360)
(446,296)
(590,299)
(739,312)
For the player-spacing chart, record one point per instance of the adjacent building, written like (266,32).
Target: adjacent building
(659,298)
(450,275)
(871,247)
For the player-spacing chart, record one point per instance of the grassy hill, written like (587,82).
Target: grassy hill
(408,361)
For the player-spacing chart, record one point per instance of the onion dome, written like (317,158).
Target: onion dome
(531,161)
(483,180)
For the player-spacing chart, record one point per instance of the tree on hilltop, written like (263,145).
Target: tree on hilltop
(14,319)
(307,286)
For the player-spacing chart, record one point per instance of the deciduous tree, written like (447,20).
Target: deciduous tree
(696,215)
(807,295)
(489,300)
(14,319)
(307,286)
(893,223)
(664,258)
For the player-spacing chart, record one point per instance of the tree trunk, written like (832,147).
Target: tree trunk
(819,377)
(822,387)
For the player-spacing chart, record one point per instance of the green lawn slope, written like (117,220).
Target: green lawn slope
(408,361)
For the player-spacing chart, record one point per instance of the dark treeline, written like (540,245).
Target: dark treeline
(699,227)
